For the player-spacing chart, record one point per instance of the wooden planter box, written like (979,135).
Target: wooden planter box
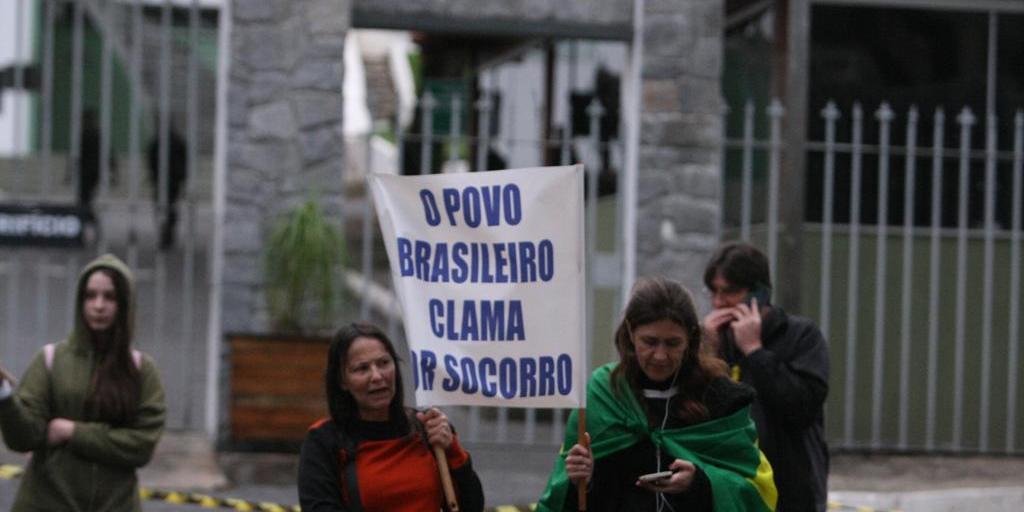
(276,389)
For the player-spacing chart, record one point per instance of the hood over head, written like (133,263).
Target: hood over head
(79,334)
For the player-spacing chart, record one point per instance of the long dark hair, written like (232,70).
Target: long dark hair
(341,403)
(116,381)
(654,299)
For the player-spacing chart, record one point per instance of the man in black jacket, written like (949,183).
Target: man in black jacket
(785,359)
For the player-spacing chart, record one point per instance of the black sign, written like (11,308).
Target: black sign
(40,225)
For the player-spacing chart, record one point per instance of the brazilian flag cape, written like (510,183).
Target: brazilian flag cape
(725,448)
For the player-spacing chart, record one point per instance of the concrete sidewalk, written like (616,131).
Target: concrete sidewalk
(516,476)
(184,460)
(929,483)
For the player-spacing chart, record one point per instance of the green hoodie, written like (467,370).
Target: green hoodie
(95,469)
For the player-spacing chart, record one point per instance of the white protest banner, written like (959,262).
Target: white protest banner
(489,270)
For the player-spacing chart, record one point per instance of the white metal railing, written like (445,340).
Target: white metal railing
(972,347)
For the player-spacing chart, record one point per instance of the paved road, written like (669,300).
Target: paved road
(516,476)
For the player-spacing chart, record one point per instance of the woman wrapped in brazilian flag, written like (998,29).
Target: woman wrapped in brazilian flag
(667,407)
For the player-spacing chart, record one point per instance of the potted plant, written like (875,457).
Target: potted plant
(301,264)
(277,379)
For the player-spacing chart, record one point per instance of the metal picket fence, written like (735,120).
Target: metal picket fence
(921,307)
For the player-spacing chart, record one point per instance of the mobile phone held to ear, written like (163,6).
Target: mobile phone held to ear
(761,293)
(654,477)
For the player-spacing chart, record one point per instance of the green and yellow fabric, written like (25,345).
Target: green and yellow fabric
(725,448)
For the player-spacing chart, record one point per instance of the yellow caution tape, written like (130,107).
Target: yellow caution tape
(10,472)
(206,501)
(175,497)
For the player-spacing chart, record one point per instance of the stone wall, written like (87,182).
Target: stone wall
(284,135)
(680,139)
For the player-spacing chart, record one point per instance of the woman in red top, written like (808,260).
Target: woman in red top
(374,454)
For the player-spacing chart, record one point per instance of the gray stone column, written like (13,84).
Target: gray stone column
(284,133)
(680,164)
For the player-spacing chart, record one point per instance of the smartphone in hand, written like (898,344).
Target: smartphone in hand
(654,477)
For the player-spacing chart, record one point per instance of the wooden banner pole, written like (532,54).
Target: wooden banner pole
(446,479)
(581,435)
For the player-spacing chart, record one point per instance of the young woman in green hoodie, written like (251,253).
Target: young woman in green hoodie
(90,408)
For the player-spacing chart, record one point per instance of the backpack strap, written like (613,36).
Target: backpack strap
(48,351)
(50,348)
